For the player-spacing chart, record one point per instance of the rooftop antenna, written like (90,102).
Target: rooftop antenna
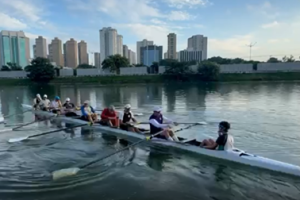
(250,48)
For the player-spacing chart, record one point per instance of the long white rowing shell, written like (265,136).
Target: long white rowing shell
(235,155)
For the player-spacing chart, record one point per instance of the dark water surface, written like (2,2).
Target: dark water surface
(264,117)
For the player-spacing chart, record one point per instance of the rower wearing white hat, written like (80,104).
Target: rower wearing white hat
(125,119)
(69,108)
(37,101)
(156,121)
(46,103)
(88,113)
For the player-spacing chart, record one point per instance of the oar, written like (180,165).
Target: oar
(196,123)
(45,133)
(22,125)
(8,116)
(73,171)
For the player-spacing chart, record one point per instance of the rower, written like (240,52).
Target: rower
(69,108)
(37,101)
(56,105)
(109,117)
(125,120)
(46,103)
(88,112)
(224,141)
(156,125)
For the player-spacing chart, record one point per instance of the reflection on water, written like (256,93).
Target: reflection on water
(265,121)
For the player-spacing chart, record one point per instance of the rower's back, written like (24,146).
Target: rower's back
(159,119)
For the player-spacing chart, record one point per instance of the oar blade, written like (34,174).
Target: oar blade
(64,173)
(138,114)
(13,140)
(201,123)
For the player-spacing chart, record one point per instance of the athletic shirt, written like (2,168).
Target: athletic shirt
(106,114)
(225,142)
(126,117)
(69,105)
(154,129)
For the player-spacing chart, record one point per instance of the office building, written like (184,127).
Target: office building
(83,56)
(150,54)
(71,53)
(14,48)
(108,42)
(55,52)
(125,51)
(198,43)
(40,47)
(139,45)
(120,45)
(97,60)
(190,55)
(172,43)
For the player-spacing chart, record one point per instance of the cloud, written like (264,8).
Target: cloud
(270,25)
(186,3)
(179,16)
(8,22)
(265,9)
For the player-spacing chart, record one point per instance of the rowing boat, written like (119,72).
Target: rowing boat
(235,155)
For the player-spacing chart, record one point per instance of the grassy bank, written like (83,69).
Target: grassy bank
(282,76)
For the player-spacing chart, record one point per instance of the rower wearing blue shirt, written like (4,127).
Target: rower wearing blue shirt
(88,112)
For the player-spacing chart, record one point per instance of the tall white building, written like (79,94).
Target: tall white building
(120,45)
(198,43)
(140,44)
(131,57)
(108,42)
(40,47)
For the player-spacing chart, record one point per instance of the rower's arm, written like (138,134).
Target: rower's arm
(169,121)
(132,117)
(156,124)
(212,147)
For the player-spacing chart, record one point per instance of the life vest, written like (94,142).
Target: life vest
(159,119)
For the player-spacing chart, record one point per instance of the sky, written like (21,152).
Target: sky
(230,25)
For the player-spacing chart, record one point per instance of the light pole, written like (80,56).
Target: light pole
(250,48)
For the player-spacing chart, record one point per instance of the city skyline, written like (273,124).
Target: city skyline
(231,26)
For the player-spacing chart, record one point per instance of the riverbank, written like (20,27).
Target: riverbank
(280,76)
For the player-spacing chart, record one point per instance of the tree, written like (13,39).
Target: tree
(85,66)
(288,59)
(115,62)
(167,62)
(154,68)
(177,68)
(5,68)
(209,71)
(14,67)
(40,70)
(273,60)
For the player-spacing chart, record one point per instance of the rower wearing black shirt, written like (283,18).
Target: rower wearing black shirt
(125,119)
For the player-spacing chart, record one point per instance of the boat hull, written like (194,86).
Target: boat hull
(236,155)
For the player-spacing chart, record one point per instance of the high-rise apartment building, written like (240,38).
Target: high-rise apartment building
(82,53)
(198,43)
(40,47)
(131,57)
(190,55)
(139,45)
(120,45)
(55,52)
(71,53)
(108,42)
(172,43)
(14,48)
(150,54)
(97,60)
(125,51)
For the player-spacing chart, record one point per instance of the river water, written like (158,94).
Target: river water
(264,118)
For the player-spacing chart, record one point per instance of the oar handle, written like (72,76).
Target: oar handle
(45,133)
(102,158)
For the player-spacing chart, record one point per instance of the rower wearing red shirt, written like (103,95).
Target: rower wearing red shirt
(109,117)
